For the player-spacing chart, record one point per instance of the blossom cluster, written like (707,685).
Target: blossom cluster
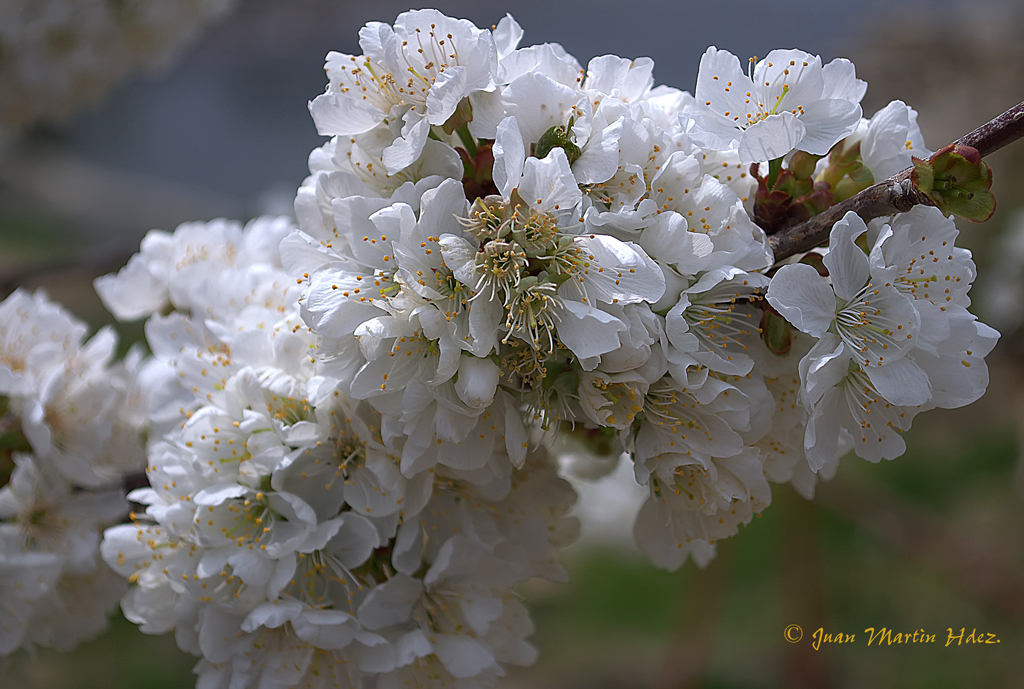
(281,540)
(70,432)
(353,419)
(498,227)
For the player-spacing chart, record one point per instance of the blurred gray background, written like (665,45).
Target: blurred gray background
(225,130)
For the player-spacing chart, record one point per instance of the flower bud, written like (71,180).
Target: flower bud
(477,381)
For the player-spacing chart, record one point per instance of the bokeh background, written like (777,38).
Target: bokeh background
(933,540)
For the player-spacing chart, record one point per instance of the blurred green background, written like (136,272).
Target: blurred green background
(931,541)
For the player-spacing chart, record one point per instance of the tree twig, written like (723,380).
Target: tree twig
(897,194)
(996,133)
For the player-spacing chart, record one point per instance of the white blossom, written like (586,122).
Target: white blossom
(503,263)
(788,101)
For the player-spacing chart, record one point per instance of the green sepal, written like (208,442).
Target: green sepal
(792,199)
(477,170)
(462,116)
(6,468)
(793,185)
(561,137)
(958,181)
(12,439)
(774,168)
(526,283)
(819,199)
(842,161)
(566,383)
(775,331)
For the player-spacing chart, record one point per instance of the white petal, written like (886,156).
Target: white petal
(840,80)
(549,185)
(326,629)
(846,262)
(460,256)
(477,382)
(901,382)
(538,103)
(771,138)
(821,440)
(134,292)
(803,297)
(828,121)
(507,35)
(407,148)
(447,90)
(717,68)
(271,615)
(587,331)
(620,272)
(463,656)
(509,157)
(390,603)
(338,114)
(599,158)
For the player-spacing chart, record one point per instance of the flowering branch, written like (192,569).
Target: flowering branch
(897,194)
(346,478)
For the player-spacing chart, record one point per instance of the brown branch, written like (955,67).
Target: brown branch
(1000,131)
(897,194)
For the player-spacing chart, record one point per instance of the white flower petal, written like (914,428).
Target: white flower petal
(901,382)
(826,122)
(771,138)
(509,157)
(803,297)
(846,262)
(587,331)
(548,185)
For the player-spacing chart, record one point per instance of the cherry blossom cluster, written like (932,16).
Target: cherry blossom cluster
(60,55)
(496,228)
(281,539)
(70,431)
(354,420)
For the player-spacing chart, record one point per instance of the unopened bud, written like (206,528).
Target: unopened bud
(802,164)
(477,381)
(775,331)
